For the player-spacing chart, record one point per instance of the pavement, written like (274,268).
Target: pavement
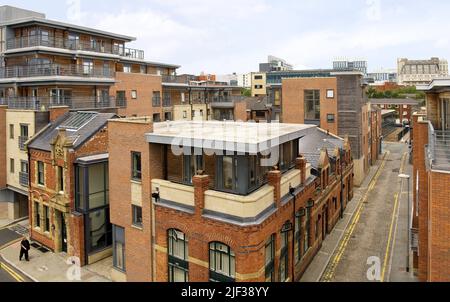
(370,243)
(44,265)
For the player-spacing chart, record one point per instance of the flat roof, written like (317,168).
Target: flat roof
(386,112)
(435,84)
(405,101)
(37,20)
(226,136)
(92,158)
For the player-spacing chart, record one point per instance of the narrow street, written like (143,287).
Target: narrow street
(375,238)
(9,236)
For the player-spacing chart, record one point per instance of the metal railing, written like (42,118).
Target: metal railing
(438,148)
(3,101)
(78,103)
(173,79)
(48,70)
(22,141)
(121,102)
(167,102)
(73,44)
(23,179)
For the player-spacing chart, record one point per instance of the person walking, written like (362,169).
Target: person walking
(24,248)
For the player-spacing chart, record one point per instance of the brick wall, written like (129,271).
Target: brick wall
(145,85)
(3,137)
(240,111)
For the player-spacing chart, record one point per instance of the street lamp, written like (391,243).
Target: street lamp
(408,247)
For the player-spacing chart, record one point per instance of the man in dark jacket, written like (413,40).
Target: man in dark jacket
(24,248)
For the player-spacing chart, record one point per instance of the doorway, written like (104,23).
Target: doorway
(63,231)
(446,114)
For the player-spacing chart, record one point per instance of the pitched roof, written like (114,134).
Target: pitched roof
(312,144)
(80,126)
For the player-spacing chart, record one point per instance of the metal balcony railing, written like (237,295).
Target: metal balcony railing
(23,179)
(74,44)
(438,148)
(121,102)
(22,141)
(167,102)
(77,103)
(173,79)
(3,101)
(48,70)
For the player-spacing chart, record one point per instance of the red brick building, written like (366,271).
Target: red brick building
(403,107)
(431,182)
(221,217)
(69,191)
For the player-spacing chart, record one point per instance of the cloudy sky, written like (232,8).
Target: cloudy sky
(225,36)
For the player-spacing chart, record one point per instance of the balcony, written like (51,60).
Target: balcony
(22,141)
(75,45)
(23,179)
(49,70)
(75,103)
(439,148)
(121,103)
(174,79)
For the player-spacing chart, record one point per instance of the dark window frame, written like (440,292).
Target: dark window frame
(270,266)
(215,275)
(120,241)
(312,99)
(41,174)
(175,262)
(136,211)
(136,166)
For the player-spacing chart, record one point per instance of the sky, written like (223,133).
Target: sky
(226,36)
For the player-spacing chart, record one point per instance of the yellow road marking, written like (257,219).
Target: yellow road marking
(10,271)
(331,270)
(10,243)
(393,222)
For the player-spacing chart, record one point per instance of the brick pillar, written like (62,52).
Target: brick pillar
(201,185)
(274,178)
(300,164)
(249,115)
(56,112)
(75,228)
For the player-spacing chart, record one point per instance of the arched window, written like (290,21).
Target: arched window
(222,263)
(178,256)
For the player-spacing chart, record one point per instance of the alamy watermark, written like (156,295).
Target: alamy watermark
(374,271)
(73,273)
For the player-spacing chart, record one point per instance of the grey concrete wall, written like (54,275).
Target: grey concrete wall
(9,13)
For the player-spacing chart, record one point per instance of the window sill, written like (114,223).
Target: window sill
(140,228)
(136,181)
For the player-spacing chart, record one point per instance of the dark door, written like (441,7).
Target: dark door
(63,233)
(325,223)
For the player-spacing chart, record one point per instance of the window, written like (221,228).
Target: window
(284,256)
(60,179)
(46,218)
(185,114)
(168,116)
(258,77)
(98,186)
(330,118)
(312,104)
(330,94)
(41,173)
(178,256)
(119,248)
(156,100)
(298,235)
(136,172)
(306,241)
(222,263)
(137,216)
(24,131)
(93,43)
(127,68)
(24,167)
(88,67)
(45,38)
(11,131)
(134,94)
(11,166)
(143,69)
(288,155)
(37,215)
(99,230)
(191,164)
(270,258)
(156,117)
(227,174)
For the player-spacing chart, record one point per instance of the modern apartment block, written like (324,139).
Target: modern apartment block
(46,64)
(431,183)
(275,64)
(219,214)
(333,100)
(350,64)
(69,187)
(381,76)
(259,83)
(420,72)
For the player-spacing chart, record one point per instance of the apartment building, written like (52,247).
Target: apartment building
(333,100)
(431,184)
(69,189)
(274,64)
(420,72)
(47,64)
(258,84)
(350,64)
(219,214)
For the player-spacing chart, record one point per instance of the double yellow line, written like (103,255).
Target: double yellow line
(331,270)
(393,224)
(11,272)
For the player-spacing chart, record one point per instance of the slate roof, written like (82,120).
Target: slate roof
(311,145)
(86,130)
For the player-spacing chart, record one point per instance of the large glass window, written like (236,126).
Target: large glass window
(228,174)
(37,215)
(136,173)
(98,186)
(222,263)
(178,256)
(100,230)
(270,258)
(284,256)
(119,248)
(306,240)
(312,104)
(46,219)
(80,202)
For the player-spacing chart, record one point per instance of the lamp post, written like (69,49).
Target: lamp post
(408,247)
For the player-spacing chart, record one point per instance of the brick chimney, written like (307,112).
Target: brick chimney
(300,164)
(274,178)
(201,185)
(58,111)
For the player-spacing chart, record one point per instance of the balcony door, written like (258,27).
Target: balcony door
(446,114)
(60,97)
